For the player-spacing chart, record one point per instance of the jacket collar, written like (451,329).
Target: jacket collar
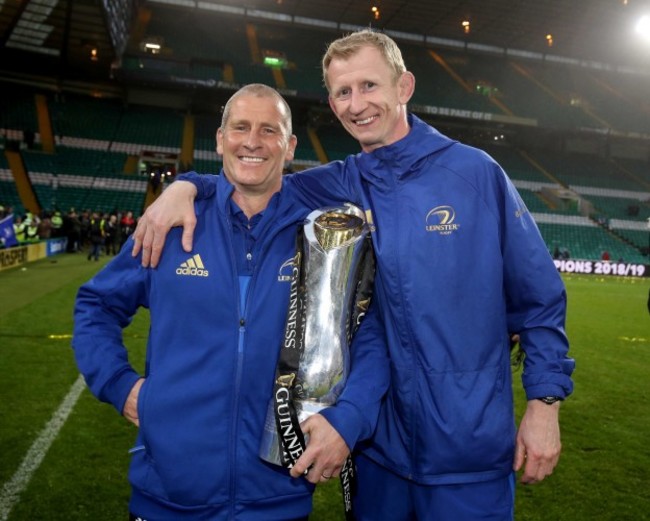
(282,209)
(224,192)
(399,158)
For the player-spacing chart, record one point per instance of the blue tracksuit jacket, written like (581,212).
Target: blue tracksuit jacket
(461,265)
(210,366)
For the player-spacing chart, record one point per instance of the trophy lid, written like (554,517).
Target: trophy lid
(334,228)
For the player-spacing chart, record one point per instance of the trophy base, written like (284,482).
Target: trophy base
(270,450)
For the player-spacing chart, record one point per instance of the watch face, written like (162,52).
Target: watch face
(550,399)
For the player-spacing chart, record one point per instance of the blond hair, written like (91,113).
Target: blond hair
(347,46)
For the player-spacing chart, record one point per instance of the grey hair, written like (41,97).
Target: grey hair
(261,91)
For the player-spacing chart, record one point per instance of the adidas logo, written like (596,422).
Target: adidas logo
(192,266)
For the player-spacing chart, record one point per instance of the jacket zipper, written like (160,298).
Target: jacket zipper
(237,383)
(240,357)
(403,304)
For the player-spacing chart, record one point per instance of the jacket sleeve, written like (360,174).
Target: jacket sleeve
(325,185)
(103,308)
(356,411)
(315,187)
(536,300)
(206,184)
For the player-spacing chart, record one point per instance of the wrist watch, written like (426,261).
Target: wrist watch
(549,400)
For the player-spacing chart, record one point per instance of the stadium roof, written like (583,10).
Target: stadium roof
(588,29)
(67,31)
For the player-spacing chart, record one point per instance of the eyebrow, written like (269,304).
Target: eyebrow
(234,121)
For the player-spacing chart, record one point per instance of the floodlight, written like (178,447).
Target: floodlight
(643,27)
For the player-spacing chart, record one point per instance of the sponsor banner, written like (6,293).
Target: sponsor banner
(12,257)
(56,246)
(471,115)
(606,268)
(36,251)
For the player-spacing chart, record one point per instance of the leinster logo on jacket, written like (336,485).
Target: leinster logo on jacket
(284,273)
(441,220)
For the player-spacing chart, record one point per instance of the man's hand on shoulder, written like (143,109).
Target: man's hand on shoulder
(174,207)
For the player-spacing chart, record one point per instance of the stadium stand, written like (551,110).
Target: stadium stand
(83,116)
(598,95)
(8,193)
(302,72)
(227,45)
(508,91)
(553,92)
(150,126)
(517,165)
(20,114)
(604,189)
(585,240)
(337,143)
(206,159)
(581,169)
(637,169)
(436,85)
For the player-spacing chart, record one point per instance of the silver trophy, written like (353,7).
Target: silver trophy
(334,254)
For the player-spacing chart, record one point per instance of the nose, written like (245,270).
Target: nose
(357,102)
(252,140)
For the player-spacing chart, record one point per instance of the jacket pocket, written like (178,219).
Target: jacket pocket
(184,455)
(465,422)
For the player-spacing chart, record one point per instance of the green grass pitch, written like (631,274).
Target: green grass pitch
(604,471)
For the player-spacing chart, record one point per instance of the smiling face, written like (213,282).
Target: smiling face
(367,98)
(255,142)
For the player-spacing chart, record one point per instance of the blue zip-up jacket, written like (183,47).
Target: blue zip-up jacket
(210,367)
(461,265)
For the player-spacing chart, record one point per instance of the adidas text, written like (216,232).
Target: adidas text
(197,272)
(193,267)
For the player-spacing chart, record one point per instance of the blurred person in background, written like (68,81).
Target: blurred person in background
(111,235)
(19,228)
(72,230)
(96,235)
(31,227)
(57,224)
(44,229)
(127,225)
(84,220)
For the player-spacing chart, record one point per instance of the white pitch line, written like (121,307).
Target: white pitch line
(11,490)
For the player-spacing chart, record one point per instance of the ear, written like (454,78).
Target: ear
(291,150)
(332,105)
(406,85)
(219,141)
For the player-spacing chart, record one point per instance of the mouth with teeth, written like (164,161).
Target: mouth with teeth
(251,159)
(366,121)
